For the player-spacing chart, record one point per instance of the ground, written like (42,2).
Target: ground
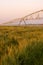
(21,45)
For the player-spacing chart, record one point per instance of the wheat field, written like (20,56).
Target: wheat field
(21,45)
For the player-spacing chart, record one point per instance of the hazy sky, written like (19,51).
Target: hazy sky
(10,9)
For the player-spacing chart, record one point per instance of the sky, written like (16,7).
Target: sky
(11,9)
